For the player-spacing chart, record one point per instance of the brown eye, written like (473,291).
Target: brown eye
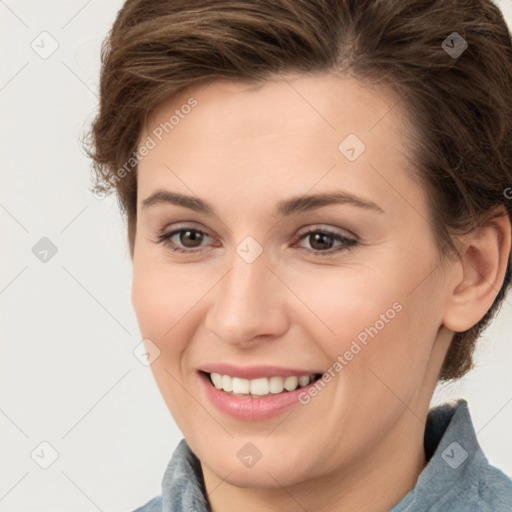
(191,238)
(324,242)
(320,241)
(184,240)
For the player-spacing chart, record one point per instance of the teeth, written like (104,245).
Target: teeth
(239,385)
(291,383)
(226,382)
(259,387)
(304,380)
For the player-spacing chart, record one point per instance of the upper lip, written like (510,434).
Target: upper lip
(254,372)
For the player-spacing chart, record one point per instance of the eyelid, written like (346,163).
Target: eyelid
(193,226)
(343,233)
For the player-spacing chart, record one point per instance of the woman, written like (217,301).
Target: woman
(318,217)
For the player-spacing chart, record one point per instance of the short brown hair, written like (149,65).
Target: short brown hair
(460,106)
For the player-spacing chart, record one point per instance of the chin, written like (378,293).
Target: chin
(271,471)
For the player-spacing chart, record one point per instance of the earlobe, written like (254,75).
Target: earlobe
(484,258)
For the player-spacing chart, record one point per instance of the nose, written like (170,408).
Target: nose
(248,304)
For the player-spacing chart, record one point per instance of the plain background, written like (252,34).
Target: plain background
(68,373)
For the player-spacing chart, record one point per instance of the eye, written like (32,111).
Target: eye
(322,242)
(183,239)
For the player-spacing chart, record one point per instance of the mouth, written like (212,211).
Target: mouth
(260,387)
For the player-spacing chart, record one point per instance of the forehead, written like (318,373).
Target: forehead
(324,102)
(292,129)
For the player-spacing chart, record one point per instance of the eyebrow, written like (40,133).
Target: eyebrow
(294,205)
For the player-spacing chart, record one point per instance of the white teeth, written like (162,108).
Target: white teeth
(216,380)
(275,384)
(304,380)
(239,385)
(259,387)
(226,383)
(291,383)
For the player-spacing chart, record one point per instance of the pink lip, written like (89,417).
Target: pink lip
(255,372)
(251,409)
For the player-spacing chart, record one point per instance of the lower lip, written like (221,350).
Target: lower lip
(252,409)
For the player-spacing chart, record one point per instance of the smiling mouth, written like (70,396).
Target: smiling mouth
(260,387)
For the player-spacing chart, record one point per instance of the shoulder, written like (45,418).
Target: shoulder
(153,505)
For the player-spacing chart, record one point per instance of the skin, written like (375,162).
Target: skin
(243,149)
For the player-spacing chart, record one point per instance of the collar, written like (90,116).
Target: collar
(458,477)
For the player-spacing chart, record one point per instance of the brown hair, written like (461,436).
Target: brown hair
(460,106)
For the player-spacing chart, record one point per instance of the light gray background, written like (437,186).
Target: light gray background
(68,374)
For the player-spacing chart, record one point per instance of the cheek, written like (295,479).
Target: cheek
(162,295)
(161,304)
(163,301)
(342,304)
(369,322)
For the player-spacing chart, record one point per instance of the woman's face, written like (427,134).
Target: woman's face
(301,249)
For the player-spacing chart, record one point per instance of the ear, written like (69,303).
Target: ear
(484,257)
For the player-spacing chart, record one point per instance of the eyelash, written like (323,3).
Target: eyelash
(347,244)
